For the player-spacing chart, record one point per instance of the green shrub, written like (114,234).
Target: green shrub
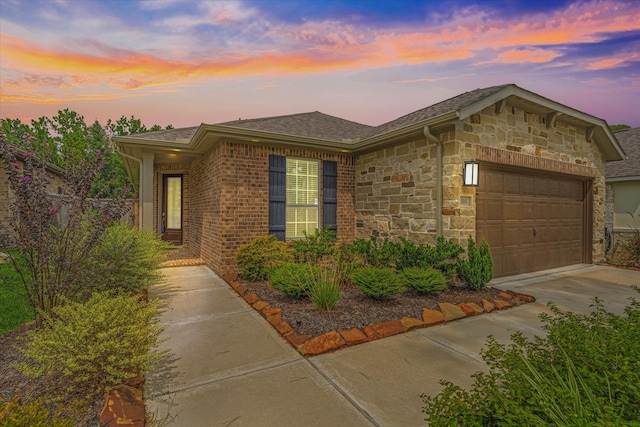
(324,289)
(377,283)
(585,372)
(384,253)
(260,256)
(477,270)
(293,279)
(32,414)
(98,343)
(314,246)
(375,252)
(424,280)
(124,259)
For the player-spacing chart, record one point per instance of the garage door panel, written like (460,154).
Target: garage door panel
(531,221)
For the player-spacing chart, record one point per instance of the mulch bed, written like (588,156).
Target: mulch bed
(15,385)
(356,310)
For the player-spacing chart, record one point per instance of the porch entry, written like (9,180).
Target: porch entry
(171,225)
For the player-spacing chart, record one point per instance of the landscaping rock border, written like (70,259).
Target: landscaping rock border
(307,345)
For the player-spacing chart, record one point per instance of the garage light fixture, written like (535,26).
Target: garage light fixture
(470,173)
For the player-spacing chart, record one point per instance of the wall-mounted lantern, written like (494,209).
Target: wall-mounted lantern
(470,173)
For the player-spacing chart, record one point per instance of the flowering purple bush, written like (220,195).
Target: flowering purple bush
(53,251)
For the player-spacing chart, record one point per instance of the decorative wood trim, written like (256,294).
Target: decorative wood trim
(512,158)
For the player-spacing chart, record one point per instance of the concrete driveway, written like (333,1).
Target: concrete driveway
(228,367)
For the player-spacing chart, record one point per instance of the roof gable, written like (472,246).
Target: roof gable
(452,104)
(630,167)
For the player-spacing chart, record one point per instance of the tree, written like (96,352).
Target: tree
(64,140)
(615,128)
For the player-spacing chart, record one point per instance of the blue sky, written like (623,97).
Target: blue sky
(185,63)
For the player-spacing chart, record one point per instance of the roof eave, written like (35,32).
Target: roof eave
(198,142)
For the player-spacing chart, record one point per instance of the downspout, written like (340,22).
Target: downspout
(139,183)
(429,136)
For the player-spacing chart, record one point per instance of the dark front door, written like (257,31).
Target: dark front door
(172,209)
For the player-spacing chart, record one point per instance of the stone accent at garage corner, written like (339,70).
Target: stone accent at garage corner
(395,194)
(307,345)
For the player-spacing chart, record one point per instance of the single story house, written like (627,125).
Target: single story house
(539,201)
(623,189)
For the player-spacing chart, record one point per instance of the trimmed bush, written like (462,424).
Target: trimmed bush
(584,372)
(97,344)
(124,260)
(293,279)
(314,246)
(377,283)
(477,270)
(424,280)
(260,256)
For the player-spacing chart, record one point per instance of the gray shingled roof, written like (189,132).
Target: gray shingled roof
(446,106)
(310,125)
(171,135)
(630,142)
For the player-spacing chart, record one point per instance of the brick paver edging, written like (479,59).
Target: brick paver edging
(307,345)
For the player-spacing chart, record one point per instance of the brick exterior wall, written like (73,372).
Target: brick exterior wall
(227,198)
(396,186)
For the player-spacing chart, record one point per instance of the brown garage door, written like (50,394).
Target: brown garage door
(532,221)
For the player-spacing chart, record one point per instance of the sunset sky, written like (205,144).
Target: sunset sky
(371,61)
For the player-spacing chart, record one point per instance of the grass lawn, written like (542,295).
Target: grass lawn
(14,306)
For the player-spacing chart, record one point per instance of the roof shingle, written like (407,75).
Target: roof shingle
(309,125)
(630,142)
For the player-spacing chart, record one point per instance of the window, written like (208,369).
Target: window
(626,201)
(294,196)
(302,197)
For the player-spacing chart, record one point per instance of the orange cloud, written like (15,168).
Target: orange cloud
(313,47)
(613,62)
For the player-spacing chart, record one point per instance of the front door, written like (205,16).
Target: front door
(172,209)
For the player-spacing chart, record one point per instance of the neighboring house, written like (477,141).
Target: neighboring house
(539,203)
(57,185)
(623,189)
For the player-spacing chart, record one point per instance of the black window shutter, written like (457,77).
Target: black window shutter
(277,196)
(330,195)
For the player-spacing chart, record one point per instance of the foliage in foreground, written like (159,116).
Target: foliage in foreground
(477,270)
(98,343)
(377,283)
(260,256)
(32,414)
(586,372)
(124,260)
(53,253)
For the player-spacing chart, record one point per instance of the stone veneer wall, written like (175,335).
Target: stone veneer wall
(230,198)
(170,169)
(395,186)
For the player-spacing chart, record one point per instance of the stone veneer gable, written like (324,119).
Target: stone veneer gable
(395,186)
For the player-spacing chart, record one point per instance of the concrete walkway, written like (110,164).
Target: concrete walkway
(228,367)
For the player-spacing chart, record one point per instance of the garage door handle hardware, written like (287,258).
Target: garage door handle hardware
(535,232)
